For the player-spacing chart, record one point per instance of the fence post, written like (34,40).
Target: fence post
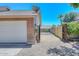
(64,32)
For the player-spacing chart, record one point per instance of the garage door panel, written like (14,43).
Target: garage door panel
(13,31)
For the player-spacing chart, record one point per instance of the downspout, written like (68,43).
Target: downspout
(39,32)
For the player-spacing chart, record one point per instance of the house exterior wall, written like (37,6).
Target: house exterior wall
(38,19)
(76,18)
(30,31)
(37,22)
(30,28)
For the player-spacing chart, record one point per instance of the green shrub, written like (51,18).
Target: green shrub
(73,28)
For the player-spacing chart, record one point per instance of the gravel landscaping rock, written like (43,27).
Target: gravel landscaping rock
(63,51)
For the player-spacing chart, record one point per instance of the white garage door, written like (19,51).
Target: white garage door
(13,31)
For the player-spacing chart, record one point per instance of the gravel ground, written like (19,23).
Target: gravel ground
(49,46)
(63,51)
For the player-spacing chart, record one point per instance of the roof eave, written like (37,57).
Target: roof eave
(16,16)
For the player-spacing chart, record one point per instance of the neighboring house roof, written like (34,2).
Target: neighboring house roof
(46,27)
(4,8)
(76,18)
(17,12)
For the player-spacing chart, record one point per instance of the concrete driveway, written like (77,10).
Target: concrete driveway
(48,41)
(11,49)
(40,49)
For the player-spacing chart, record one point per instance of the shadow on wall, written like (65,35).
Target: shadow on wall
(15,45)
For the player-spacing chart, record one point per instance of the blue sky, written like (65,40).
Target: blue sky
(49,11)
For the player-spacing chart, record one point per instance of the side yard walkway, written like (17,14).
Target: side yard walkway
(48,41)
